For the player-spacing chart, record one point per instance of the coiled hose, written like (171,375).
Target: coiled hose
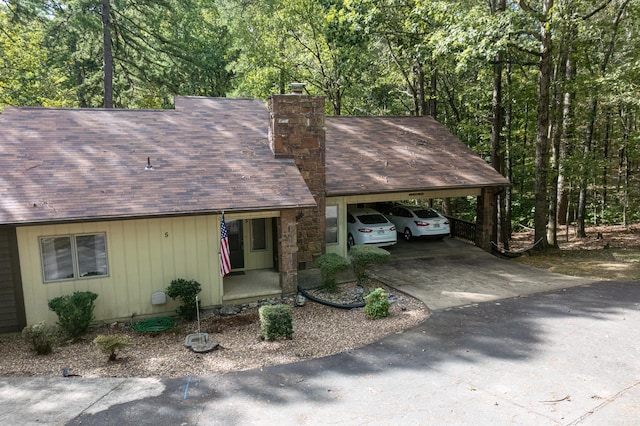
(328,303)
(154,324)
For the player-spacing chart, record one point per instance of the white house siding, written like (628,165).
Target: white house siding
(144,256)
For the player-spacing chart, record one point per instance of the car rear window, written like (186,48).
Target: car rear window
(371,219)
(426,213)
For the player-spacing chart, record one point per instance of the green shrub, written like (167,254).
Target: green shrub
(362,256)
(42,336)
(186,291)
(330,265)
(75,311)
(275,321)
(377,304)
(111,344)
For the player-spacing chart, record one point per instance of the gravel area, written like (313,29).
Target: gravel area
(318,331)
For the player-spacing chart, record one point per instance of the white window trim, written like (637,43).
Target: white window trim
(337,241)
(74,257)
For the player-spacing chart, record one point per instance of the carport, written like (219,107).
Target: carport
(373,160)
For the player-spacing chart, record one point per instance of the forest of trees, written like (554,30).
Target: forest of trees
(546,90)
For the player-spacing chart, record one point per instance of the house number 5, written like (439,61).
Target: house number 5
(166,235)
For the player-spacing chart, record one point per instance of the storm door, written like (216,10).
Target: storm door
(236,243)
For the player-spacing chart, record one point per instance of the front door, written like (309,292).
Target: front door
(236,243)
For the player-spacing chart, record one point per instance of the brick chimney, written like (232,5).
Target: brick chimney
(296,130)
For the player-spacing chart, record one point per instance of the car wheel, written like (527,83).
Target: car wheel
(350,241)
(407,234)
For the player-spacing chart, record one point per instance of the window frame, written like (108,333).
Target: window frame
(75,262)
(337,224)
(265,235)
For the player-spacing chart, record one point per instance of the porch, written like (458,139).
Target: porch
(245,286)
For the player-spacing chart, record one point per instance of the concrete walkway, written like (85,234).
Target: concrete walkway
(564,356)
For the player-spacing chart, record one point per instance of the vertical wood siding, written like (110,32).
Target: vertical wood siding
(144,255)
(11,305)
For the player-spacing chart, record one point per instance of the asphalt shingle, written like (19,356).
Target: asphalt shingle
(367,155)
(208,155)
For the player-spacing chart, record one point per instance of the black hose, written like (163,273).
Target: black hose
(331,304)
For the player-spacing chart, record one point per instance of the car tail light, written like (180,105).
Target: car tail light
(446,222)
(420,223)
(393,228)
(365,230)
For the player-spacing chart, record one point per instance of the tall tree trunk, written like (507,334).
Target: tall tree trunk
(421,101)
(497,123)
(508,164)
(623,163)
(556,133)
(542,138)
(567,136)
(107,54)
(605,168)
(433,99)
(584,177)
(496,130)
(593,110)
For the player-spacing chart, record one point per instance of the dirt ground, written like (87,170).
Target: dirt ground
(607,253)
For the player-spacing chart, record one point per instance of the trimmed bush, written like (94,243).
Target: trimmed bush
(330,265)
(186,291)
(42,336)
(75,311)
(362,257)
(111,344)
(377,304)
(275,322)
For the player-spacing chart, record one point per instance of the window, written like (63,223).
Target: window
(73,257)
(331,224)
(258,234)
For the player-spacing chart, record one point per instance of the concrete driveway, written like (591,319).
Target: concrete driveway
(449,273)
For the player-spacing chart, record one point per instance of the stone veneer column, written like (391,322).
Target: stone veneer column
(296,130)
(484,222)
(288,251)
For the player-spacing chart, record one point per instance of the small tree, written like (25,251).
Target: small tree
(75,311)
(330,265)
(42,337)
(377,304)
(275,321)
(111,344)
(362,257)
(186,291)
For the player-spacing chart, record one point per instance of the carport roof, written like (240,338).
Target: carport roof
(366,155)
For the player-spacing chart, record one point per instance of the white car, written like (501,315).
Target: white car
(368,226)
(418,222)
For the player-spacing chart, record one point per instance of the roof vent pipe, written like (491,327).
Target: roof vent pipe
(297,88)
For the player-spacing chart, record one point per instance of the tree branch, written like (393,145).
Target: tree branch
(596,10)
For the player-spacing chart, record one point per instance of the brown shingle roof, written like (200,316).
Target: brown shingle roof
(76,164)
(396,154)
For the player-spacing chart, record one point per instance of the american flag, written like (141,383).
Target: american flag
(225,261)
